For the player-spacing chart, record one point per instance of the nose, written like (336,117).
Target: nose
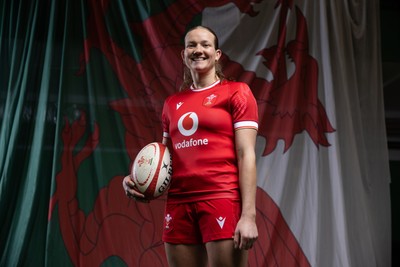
(197,50)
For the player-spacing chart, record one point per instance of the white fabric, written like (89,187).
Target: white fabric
(334,198)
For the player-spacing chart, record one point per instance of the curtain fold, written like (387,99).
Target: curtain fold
(28,122)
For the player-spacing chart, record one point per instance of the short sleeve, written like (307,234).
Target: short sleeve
(244,107)
(165,119)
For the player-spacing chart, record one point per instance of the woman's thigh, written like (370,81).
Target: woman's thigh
(186,255)
(222,253)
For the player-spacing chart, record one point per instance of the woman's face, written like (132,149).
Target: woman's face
(200,54)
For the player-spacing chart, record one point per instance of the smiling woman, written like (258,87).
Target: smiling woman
(210,126)
(199,49)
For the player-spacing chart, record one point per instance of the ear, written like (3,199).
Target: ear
(218,54)
(183,55)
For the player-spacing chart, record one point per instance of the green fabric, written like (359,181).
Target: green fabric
(40,89)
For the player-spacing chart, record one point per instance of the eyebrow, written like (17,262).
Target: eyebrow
(201,42)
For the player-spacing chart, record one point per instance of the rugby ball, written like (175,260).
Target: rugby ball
(152,170)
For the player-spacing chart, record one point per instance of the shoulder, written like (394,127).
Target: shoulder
(235,86)
(237,89)
(176,95)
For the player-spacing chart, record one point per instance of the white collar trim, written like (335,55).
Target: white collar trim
(204,88)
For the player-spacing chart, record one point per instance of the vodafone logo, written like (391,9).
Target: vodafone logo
(187,126)
(188,123)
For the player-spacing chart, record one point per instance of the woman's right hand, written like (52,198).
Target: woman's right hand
(131,191)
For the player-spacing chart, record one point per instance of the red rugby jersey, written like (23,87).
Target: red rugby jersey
(201,125)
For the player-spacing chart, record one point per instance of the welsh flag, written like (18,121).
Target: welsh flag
(322,163)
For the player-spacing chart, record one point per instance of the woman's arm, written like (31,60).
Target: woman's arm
(246,231)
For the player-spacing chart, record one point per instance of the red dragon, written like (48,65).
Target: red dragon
(131,231)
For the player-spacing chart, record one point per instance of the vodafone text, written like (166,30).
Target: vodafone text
(191,143)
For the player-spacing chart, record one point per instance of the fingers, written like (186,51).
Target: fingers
(129,188)
(236,240)
(132,194)
(128,183)
(246,243)
(137,198)
(241,242)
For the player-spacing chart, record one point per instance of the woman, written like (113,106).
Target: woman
(211,127)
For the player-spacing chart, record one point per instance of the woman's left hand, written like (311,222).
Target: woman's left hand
(246,233)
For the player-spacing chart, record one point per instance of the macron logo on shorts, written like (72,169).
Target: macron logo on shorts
(221,221)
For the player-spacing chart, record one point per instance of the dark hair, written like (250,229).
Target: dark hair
(187,76)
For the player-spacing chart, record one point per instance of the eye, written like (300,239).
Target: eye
(191,45)
(206,45)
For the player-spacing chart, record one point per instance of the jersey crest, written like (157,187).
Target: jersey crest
(210,100)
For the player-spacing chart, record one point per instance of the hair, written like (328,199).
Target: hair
(187,76)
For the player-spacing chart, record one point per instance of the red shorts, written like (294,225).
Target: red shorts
(200,222)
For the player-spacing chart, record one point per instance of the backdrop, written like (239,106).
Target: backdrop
(82,84)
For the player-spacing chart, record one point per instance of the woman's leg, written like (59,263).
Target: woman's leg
(186,255)
(222,253)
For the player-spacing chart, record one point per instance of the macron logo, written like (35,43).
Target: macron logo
(221,221)
(179,105)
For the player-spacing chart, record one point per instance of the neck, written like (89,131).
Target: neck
(201,81)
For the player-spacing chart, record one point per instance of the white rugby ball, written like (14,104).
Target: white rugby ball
(152,170)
